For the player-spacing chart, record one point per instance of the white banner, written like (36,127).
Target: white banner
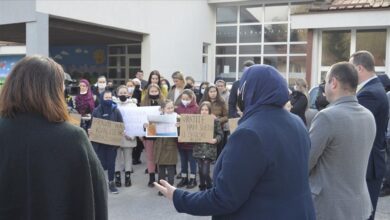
(135,118)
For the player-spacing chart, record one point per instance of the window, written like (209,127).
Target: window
(373,41)
(123,62)
(336,47)
(259,33)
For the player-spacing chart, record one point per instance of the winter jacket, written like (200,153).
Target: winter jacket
(206,150)
(49,171)
(165,151)
(220,111)
(299,104)
(122,106)
(115,116)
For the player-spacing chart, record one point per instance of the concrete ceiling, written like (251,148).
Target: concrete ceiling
(72,32)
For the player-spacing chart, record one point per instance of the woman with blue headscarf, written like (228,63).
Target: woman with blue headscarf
(263,171)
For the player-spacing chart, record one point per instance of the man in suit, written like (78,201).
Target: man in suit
(370,94)
(341,138)
(232,101)
(140,75)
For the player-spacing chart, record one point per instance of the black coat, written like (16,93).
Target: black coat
(299,104)
(233,100)
(49,171)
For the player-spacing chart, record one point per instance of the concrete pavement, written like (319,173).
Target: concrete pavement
(140,202)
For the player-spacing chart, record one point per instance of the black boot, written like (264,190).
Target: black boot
(118,181)
(183,182)
(152,178)
(127,179)
(202,187)
(192,183)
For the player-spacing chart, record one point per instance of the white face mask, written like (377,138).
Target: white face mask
(101,85)
(185,103)
(130,90)
(83,93)
(295,88)
(202,91)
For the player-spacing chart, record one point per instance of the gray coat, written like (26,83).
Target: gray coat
(341,138)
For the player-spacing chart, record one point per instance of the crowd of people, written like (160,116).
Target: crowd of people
(275,165)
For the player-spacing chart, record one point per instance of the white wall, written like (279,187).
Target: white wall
(174,30)
(16,11)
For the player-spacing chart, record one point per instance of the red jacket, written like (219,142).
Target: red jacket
(192,108)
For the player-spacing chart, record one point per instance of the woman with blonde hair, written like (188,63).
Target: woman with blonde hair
(298,99)
(177,89)
(48,166)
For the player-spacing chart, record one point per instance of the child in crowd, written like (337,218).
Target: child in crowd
(165,149)
(186,104)
(107,153)
(124,152)
(205,153)
(154,97)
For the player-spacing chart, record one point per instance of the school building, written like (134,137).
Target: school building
(201,38)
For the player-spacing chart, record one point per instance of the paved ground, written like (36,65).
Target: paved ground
(140,202)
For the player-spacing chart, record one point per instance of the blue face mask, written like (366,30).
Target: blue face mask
(107,103)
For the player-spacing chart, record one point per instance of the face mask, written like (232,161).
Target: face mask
(130,89)
(165,86)
(83,93)
(101,85)
(107,102)
(185,103)
(295,88)
(123,98)
(202,91)
(154,96)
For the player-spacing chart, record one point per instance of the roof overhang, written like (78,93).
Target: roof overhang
(341,19)
(64,31)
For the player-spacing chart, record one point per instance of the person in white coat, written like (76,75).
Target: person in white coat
(124,154)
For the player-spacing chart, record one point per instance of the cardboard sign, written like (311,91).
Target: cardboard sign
(75,119)
(135,118)
(106,132)
(162,126)
(196,128)
(233,123)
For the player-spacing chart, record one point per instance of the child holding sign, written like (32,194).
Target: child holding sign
(205,153)
(124,152)
(165,149)
(186,104)
(154,97)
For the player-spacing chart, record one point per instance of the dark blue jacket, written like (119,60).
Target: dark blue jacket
(373,97)
(114,115)
(262,173)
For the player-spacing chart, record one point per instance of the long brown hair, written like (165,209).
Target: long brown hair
(35,85)
(146,101)
(219,100)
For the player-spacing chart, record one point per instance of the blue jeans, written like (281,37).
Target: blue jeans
(185,157)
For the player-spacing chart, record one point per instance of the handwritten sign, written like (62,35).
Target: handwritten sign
(75,119)
(162,126)
(106,132)
(196,128)
(135,118)
(233,123)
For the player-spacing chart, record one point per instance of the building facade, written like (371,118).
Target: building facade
(205,39)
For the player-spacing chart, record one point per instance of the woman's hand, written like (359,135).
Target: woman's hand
(165,188)
(177,124)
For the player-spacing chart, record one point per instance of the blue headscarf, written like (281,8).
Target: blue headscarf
(262,85)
